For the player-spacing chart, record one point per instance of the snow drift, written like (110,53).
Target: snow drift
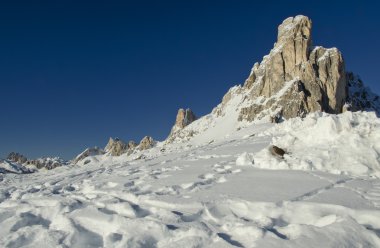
(347,143)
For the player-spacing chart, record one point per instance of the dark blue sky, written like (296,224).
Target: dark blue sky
(74,73)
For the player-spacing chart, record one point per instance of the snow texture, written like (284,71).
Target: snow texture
(347,143)
(210,191)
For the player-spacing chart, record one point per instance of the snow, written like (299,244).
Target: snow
(199,193)
(341,144)
(329,52)
(245,159)
(10,167)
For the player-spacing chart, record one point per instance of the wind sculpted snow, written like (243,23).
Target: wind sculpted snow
(199,194)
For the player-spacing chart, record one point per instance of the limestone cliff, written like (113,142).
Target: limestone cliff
(295,78)
(146,143)
(183,119)
(116,147)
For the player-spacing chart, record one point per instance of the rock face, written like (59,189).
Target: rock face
(132,145)
(116,147)
(183,119)
(360,97)
(295,78)
(17,158)
(87,153)
(146,143)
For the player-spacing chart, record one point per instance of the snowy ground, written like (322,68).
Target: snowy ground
(194,195)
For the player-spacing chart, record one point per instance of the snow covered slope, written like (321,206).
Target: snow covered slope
(18,163)
(11,167)
(196,194)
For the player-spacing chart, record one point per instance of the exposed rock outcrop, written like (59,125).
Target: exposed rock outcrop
(47,163)
(146,143)
(360,97)
(40,163)
(132,145)
(17,158)
(183,119)
(116,147)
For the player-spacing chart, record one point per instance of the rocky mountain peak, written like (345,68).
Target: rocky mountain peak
(116,147)
(295,78)
(184,118)
(16,158)
(146,143)
(361,97)
(296,30)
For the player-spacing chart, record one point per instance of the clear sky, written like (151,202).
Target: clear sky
(74,73)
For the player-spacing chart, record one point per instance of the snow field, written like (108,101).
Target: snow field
(202,194)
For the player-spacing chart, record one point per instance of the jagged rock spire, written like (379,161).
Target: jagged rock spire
(17,158)
(116,147)
(295,78)
(146,143)
(184,118)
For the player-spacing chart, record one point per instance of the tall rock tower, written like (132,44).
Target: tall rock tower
(295,78)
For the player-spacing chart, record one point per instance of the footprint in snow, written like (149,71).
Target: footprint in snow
(207,176)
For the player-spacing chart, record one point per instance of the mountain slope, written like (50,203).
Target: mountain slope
(192,196)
